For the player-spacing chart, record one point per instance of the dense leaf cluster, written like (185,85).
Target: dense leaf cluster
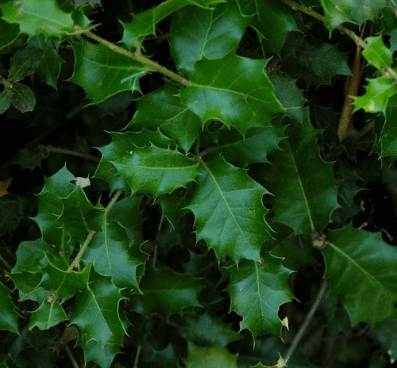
(222,199)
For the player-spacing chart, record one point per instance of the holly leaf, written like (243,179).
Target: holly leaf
(41,16)
(165,358)
(347,174)
(166,292)
(24,63)
(8,316)
(361,267)
(305,191)
(253,148)
(257,289)
(103,73)
(210,33)
(234,90)
(144,24)
(271,20)
(156,170)
(377,53)
(9,33)
(50,64)
(228,210)
(47,315)
(212,357)
(101,355)
(163,109)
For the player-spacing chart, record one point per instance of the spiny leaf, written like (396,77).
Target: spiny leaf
(101,355)
(8,317)
(305,191)
(210,33)
(103,73)
(156,170)
(361,270)
(166,292)
(47,315)
(257,290)
(163,109)
(227,205)
(377,53)
(234,90)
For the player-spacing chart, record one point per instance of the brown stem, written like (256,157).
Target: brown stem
(68,152)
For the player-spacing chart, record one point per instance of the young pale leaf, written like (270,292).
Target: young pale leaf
(211,357)
(24,63)
(228,210)
(305,191)
(156,170)
(23,98)
(8,317)
(377,93)
(166,292)
(50,64)
(95,311)
(103,73)
(361,270)
(144,24)
(257,289)
(253,148)
(114,254)
(234,90)
(163,109)
(377,53)
(39,16)
(210,33)
(271,20)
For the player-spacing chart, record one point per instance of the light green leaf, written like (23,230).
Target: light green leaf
(253,148)
(163,109)
(23,98)
(361,270)
(234,90)
(114,254)
(228,210)
(9,33)
(95,311)
(103,73)
(144,24)
(166,292)
(271,20)
(305,191)
(377,93)
(210,357)
(377,53)
(257,289)
(8,316)
(156,170)
(24,62)
(39,16)
(210,33)
(353,11)
(50,64)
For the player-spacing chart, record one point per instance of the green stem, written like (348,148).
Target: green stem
(91,233)
(139,58)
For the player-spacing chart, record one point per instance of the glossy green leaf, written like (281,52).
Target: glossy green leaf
(353,11)
(377,93)
(24,63)
(210,33)
(39,16)
(9,33)
(144,24)
(127,213)
(257,289)
(101,355)
(114,254)
(234,90)
(8,316)
(253,148)
(304,189)
(228,210)
(163,109)
(361,270)
(271,20)
(156,170)
(23,98)
(166,292)
(377,53)
(103,73)
(389,26)
(211,357)
(50,64)
(47,315)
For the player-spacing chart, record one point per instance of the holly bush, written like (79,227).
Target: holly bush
(199,207)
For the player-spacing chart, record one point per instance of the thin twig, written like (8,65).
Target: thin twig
(138,353)
(8,266)
(71,357)
(298,336)
(68,152)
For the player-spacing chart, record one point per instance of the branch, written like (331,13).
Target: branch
(139,58)
(68,152)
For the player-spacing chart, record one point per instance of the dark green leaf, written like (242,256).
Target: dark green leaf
(8,317)
(9,33)
(5,100)
(24,63)
(23,98)
(386,334)
(47,315)
(102,355)
(165,358)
